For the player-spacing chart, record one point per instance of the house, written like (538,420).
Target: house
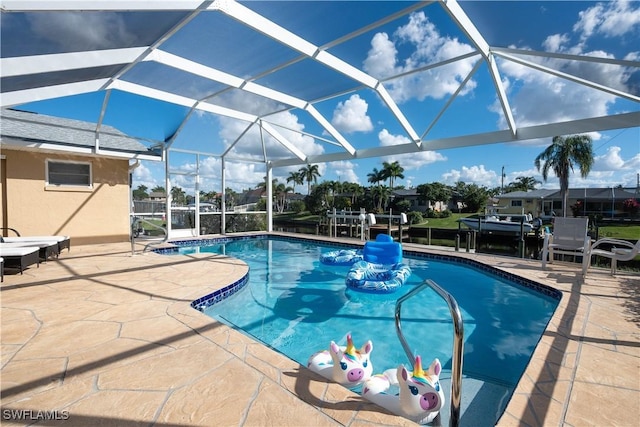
(158,196)
(604,202)
(66,177)
(417,202)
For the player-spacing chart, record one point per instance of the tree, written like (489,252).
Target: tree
(435,192)
(310,174)
(523,183)
(379,193)
(178,196)
(140,193)
(297,178)
(391,171)
(474,197)
(280,194)
(375,177)
(230,198)
(158,189)
(562,156)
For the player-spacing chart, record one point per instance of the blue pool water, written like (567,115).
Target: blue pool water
(296,305)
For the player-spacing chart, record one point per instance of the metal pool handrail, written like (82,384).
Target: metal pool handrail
(134,225)
(458,335)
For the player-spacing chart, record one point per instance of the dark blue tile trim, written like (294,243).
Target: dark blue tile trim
(217,296)
(208,300)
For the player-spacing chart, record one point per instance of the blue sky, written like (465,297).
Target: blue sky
(610,29)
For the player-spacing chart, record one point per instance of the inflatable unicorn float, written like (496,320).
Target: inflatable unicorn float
(420,398)
(347,366)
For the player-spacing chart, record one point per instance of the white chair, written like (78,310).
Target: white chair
(621,250)
(570,236)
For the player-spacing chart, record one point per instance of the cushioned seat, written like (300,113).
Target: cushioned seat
(46,248)
(62,241)
(20,257)
(383,250)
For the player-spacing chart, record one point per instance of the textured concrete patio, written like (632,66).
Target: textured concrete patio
(104,338)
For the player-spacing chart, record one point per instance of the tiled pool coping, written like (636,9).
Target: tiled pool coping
(206,301)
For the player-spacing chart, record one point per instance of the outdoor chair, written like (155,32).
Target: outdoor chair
(620,250)
(62,241)
(19,257)
(570,236)
(47,248)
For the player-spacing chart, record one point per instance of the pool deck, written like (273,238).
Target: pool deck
(109,339)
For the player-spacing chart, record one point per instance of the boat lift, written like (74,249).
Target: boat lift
(362,220)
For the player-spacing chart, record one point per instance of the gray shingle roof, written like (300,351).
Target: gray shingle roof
(574,193)
(40,128)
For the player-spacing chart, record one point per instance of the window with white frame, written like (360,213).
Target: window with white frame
(73,174)
(516,203)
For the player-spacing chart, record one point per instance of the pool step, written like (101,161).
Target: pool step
(478,397)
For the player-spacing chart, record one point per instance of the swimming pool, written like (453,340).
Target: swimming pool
(297,305)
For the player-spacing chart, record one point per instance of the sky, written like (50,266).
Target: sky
(609,29)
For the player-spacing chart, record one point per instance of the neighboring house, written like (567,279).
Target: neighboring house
(158,196)
(249,197)
(417,203)
(64,177)
(607,202)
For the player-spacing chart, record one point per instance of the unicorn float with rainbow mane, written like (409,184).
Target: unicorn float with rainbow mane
(420,398)
(344,365)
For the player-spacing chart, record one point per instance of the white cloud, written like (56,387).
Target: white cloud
(609,19)
(143,175)
(427,46)
(411,160)
(351,116)
(611,160)
(345,170)
(538,98)
(475,174)
(251,143)
(76,30)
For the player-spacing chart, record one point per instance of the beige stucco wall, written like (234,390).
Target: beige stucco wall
(96,215)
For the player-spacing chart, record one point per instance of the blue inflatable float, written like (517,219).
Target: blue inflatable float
(341,257)
(381,270)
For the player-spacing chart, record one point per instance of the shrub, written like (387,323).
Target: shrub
(297,206)
(414,217)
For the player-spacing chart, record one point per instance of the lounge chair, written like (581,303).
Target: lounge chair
(63,241)
(46,248)
(570,236)
(20,257)
(621,250)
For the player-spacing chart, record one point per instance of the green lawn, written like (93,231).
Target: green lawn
(446,223)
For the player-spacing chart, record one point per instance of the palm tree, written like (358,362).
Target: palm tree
(375,177)
(391,171)
(310,174)
(561,157)
(524,183)
(280,194)
(297,178)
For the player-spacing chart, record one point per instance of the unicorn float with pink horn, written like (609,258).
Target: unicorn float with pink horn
(420,398)
(344,365)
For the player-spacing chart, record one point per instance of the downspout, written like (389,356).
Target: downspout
(131,169)
(132,206)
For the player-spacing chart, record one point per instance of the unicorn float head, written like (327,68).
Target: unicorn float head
(420,391)
(345,365)
(420,398)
